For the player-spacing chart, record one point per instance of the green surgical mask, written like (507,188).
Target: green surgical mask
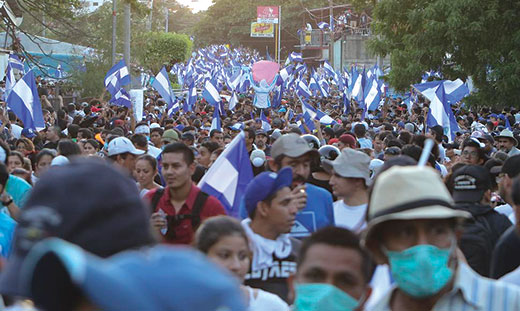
(321,296)
(420,271)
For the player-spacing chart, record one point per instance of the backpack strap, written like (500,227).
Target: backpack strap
(155,198)
(200,200)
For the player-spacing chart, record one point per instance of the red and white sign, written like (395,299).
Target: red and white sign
(267,14)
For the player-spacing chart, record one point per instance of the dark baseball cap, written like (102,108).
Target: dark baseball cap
(511,167)
(88,203)
(264,185)
(470,182)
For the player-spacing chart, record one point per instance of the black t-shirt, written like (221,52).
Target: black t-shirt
(506,256)
(274,278)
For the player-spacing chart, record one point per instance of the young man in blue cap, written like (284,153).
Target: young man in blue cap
(271,217)
(314,203)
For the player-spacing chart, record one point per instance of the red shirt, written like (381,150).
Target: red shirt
(184,231)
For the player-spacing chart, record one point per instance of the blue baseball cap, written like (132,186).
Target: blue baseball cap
(28,132)
(156,278)
(264,185)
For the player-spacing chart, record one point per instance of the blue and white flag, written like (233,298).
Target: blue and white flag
(286,72)
(116,77)
(122,98)
(346,103)
(303,90)
(372,94)
(216,124)
(24,101)
(237,126)
(192,96)
(265,123)
(15,63)
(211,94)
(229,176)
(234,81)
(328,69)
(323,25)
(455,90)
(161,84)
(440,113)
(233,101)
(296,57)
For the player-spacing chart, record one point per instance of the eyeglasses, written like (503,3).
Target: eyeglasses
(471,154)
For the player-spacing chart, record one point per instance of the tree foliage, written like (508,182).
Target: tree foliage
(161,48)
(459,38)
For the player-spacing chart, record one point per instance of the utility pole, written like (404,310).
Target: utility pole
(151,16)
(127,33)
(114,33)
(166,21)
(331,31)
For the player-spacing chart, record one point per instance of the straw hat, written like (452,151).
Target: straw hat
(406,193)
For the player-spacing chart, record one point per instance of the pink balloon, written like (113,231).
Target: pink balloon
(265,70)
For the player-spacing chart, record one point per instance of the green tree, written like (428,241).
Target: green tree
(161,48)
(460,38)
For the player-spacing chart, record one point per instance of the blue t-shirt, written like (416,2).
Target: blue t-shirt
(7,225)
(19,189)
(318,212)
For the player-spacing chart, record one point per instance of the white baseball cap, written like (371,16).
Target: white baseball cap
(121,145)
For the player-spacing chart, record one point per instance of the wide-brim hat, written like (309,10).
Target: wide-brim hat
(507,134)
(407,193)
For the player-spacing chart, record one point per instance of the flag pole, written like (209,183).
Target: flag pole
(275,41)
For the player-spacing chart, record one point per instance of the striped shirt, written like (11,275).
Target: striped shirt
(471,292)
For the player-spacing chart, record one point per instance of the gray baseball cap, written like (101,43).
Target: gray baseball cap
(291,145)
(350,164)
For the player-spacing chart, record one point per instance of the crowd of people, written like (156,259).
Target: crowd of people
(350,216)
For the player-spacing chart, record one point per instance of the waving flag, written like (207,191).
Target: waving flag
(161,84)
(313,85)
(15,63)
(211,94)
(116,77)
(372,94)
(323,25)
(24,101)
(265,123)
(296,57)
(303,90)
(286,72)
(216,124)
(192,96)
(229,176)
(455,90)
(233,101)
(440,112)
(122,98)
(234,81)
(346,103)
(328,69)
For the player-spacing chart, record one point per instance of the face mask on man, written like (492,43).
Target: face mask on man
(422,270)
(322,296)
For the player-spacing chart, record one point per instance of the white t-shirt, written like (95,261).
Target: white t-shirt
(350,217)
(265,301)
(16,131)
